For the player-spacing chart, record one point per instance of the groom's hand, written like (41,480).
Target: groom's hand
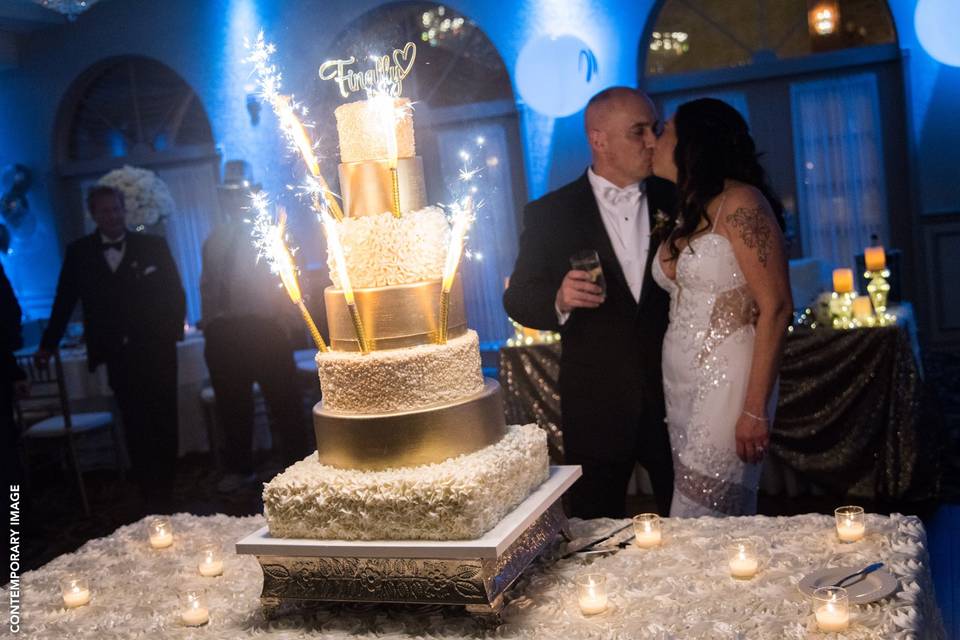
(578,291)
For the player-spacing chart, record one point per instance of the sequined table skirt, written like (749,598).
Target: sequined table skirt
(851,416)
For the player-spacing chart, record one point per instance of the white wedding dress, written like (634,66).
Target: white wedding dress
(707,354)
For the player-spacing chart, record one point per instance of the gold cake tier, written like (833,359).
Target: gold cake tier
(373,442)
(394,317)
(367,187)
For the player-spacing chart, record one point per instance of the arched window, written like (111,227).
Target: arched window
(463,103)
(697,35)
(820,85)
(133,110)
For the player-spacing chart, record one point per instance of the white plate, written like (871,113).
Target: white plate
(874,586)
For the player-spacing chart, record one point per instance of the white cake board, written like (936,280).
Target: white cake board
(474,573)
(491,545)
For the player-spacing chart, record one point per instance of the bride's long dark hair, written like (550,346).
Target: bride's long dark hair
(713,145)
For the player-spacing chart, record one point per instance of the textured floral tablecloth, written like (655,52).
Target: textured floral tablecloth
(681,590)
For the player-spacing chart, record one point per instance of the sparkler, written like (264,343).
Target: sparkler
(388,112)
(463,218)
(333,244)
(270,244)
(286,108)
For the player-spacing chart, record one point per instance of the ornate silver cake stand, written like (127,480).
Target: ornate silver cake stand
(474,573)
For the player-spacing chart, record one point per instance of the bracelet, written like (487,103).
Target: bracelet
(758,418)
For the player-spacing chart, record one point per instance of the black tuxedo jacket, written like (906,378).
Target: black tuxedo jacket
(610,378)
(141,304)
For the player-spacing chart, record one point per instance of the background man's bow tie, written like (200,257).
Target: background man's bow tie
(118,245)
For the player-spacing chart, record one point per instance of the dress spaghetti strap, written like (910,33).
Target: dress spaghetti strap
(716,218)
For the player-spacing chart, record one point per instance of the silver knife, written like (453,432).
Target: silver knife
(580,544)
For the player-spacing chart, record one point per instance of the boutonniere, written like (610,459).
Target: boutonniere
(662,223)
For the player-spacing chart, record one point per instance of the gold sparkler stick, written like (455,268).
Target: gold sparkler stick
(283,260)
(312,326)
(395,183)
(460,226)
(333,244)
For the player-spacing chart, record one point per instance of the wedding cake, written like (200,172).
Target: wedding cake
(411,440)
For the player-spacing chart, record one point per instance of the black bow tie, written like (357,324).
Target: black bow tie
(118,245)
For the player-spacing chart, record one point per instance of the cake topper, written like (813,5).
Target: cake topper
(387,71)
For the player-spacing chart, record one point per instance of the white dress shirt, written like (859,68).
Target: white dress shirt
(626,218)
(114,256)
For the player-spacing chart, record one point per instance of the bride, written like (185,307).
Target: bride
(725,268)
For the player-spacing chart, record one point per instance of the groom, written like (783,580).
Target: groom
(611,389)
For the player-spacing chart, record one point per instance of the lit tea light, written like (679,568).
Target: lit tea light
(843,280)
(592,593)
(875,259)
(160,532)
(647,530)
(743,559)
(211,561)
(863,309)
(193,607)
(831,608)
(75,591)
(851,525)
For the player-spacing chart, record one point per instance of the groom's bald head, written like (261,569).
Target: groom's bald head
(619,123)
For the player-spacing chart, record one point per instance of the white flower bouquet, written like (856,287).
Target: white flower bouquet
(147,198)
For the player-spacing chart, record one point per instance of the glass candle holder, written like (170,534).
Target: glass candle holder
(160,532)
(831,607)
(592,593)
(210,563)
(851,523)
(742,558)
(647,530)
(193,607)
(75,590)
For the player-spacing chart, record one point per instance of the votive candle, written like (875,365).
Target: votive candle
(743,561)
(193,607)
(874,258)
(647,530)
(862,308)
(211,561)
(592,593)
(843,280)
(75,591)
(161,533)
(831,607)
(851,525)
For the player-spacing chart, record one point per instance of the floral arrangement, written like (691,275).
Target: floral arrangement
(147,198)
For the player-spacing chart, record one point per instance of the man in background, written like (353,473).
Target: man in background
(247,342)
(133,312)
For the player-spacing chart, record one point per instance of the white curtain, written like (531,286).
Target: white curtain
(194,191)
(839,162)
(494,234)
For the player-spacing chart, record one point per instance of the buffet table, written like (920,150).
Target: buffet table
(849,417)
(679,590)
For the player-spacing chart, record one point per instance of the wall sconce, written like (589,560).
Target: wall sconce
(823,17)
(253,108)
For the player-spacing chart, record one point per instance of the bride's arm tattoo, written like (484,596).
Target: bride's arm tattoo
(755,231)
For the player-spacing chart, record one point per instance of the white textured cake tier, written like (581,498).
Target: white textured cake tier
(459,499)
(401,379)
(383,250)
(364,134)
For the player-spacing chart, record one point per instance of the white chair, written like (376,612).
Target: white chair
(45,415)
